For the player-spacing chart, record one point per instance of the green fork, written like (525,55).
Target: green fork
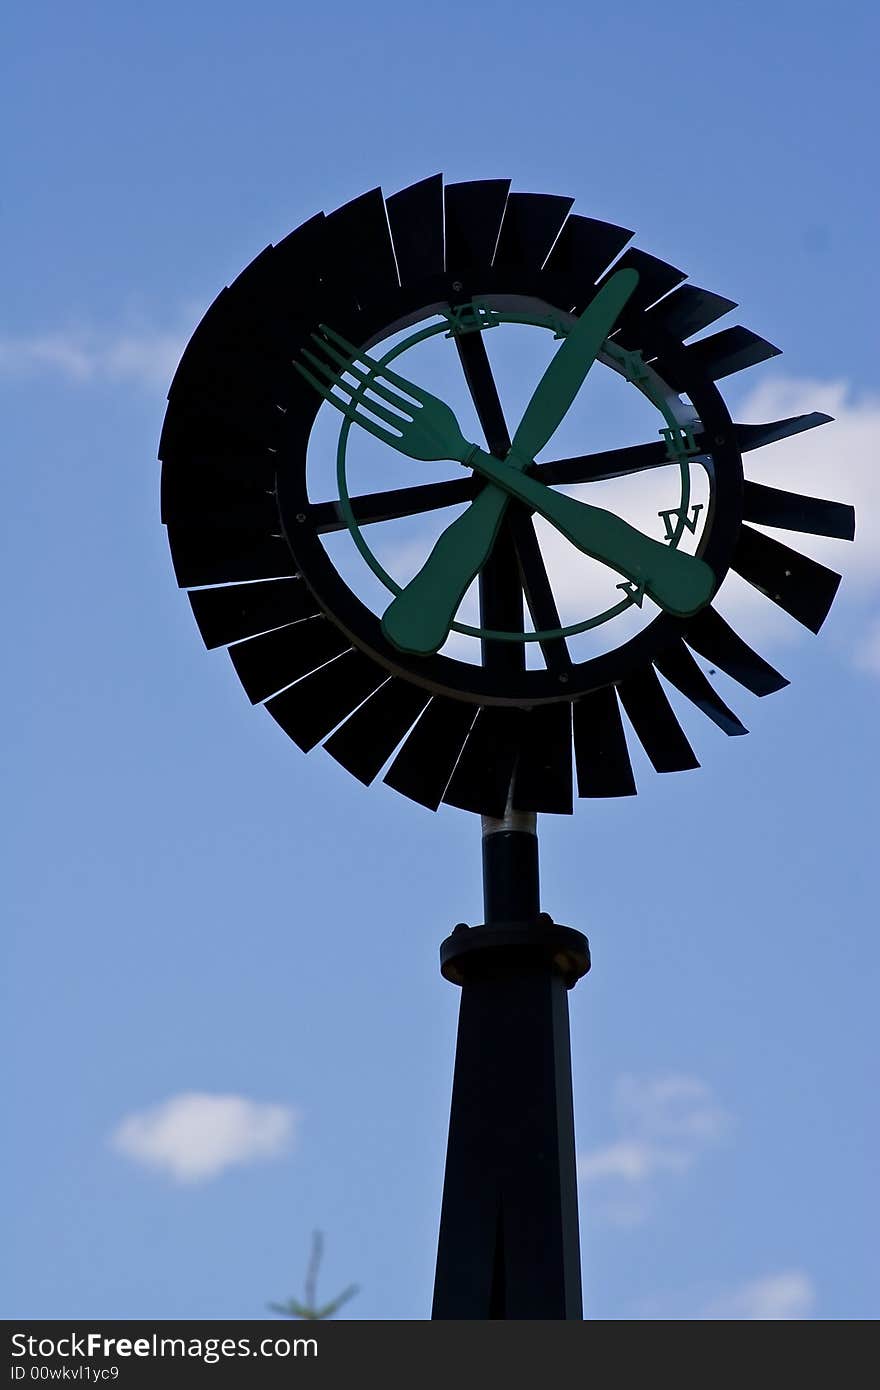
(423,427)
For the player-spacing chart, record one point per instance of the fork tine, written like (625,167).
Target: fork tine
(418,395)
(348,409)
(347,364)
(354,392)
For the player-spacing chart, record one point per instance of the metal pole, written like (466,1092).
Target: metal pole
(508,1245)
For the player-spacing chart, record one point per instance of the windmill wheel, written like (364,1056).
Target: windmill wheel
(531,708)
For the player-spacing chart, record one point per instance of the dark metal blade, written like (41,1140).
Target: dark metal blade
(365,742)
(768,506)
(311,709)
(234,355)
(655,279)
(426,761)
(585,248)
(360,260)
(601,755)
(717,643)
(801,586)
(731,350)
(194,486)
(679,667)
(226,556)
(415,215)
(682,313)
(756,436)
(473,220)
(654,721)
(243,610)
(481,781)
(531,225)
(542,781)
(267,664)
(213,429)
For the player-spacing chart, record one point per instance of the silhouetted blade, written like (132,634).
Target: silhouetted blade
(731,350)
(601,755)
(221,485)
(225,556)
(801,586)
(718,644)
(654,721)
(426,761)
(366,741)
(309,710)
(542,781)
(768,506)
(679,667)
(585,248)
(231,359)
(242,610)
(209,429)
(360,260)
(415,215)
(530,227)
(756,436)
(655,279)
(267,664)
(278,292)
(682,313)
(481,781)
(473,221)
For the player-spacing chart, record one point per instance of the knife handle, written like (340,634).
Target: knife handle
(678,582)
(419,618)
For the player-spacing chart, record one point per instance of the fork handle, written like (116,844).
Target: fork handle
(419,618)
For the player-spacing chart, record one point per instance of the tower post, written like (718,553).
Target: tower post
(509,1245)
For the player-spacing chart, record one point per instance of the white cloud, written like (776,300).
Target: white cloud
(667,1123)
(678,1108)
(143,357)
(631,1161)
(867,655)
(195,1136)
(784,1297)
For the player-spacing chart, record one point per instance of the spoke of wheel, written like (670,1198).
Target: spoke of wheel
(537,588)
(428,497)
(397,503)
(501,599)
(587,468)
(596,468)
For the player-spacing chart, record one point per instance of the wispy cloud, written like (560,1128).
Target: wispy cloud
(145,357)
(196,1136)
(784,1297)
(667,1123)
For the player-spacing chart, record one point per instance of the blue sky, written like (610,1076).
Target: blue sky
(223,1020)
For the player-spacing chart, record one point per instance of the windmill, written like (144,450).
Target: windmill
(515,712)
